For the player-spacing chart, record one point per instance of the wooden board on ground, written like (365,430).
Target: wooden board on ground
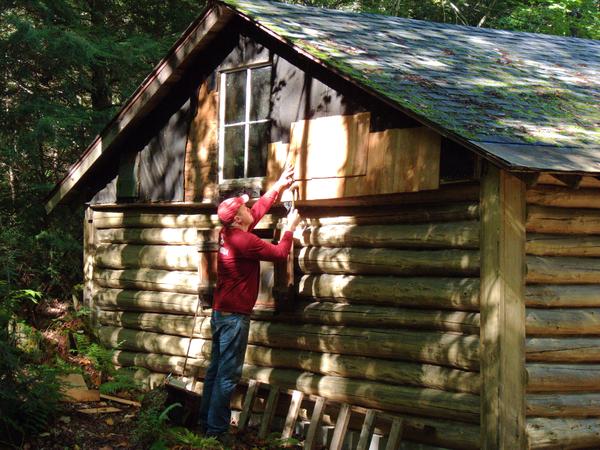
(102,410)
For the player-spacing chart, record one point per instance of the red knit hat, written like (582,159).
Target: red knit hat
(229,208)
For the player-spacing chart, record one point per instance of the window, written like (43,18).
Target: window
(244,123)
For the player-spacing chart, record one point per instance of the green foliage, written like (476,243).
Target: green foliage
(151,427)
(122,380)
(29,392)
(275,441)
(184,437)
(101,357)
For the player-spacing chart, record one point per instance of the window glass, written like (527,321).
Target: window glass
(261,90)
(233,165)
(245,123)
(235,97)
(257,149)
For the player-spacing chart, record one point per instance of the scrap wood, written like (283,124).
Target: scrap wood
(120,400)
(104,410)
(81,395)
(74,389)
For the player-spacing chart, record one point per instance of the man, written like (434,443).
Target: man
(238,271)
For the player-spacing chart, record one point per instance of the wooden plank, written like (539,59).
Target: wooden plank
(326,150)
(563,270)
(502,310)
(103,410)
(341,425)
(366,429)
(76,395)
(120,400)
(253,386)
(292,415)
(563,377)
(202,147)
(403,160)
(563,245)
(315,421)
(269,412)
(278,153)
(395,436)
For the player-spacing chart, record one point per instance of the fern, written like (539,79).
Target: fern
(123,380)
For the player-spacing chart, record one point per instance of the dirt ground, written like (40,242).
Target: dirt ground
(75,430)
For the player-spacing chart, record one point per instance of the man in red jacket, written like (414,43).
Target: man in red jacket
(238,271)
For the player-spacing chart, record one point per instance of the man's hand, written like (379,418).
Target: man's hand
(286,179)
(293,219)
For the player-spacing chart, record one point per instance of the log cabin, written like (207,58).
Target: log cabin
(449,177)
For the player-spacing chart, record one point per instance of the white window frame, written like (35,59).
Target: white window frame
(246,122)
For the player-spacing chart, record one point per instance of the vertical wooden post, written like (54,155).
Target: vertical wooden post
(292,416)
(341,425)
(269,412)
(89,250)
(315,421)
(502,310)
(253,386)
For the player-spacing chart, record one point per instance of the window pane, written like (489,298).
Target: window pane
(235,98)
(233,166)
(257,149)
(261,93)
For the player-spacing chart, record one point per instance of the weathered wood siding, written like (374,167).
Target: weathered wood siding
(386,313)
(563,314)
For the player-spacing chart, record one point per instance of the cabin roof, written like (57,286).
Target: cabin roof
(531,101)
(528,102)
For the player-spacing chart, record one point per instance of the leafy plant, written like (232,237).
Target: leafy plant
(151,429)
(29,392)
(122,380)
(101,357)
(184,437)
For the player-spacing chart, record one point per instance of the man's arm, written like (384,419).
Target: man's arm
(262,206)
(258,249)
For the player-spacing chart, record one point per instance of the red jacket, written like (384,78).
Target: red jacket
(238,267)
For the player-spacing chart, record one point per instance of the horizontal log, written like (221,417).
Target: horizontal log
(407,399)
(402,399)
(147,301)
(381,261)
(565,296)
(159,323)
(137,219)
(436,235)
(564,197)
(373,215)
(363,367)
(561,245)
(563,270)
(589,182)
(420,292)
(563,321)
(440,431)
(447,349)
(149,236)
(358,367)
(148,280)
(546,219)
(563,405)
(563,377)
(319,312)
(385,317)
(167,257)
(547,433)
(563,350)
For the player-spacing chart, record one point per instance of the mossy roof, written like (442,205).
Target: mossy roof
(528,100)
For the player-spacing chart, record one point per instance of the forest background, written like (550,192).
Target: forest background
(67,66)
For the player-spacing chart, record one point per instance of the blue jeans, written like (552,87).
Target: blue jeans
(229,341)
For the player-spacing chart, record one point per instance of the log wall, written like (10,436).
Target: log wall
(563,313)
(385,314)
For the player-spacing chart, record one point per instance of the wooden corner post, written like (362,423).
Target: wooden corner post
(502,310)
(89,250)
